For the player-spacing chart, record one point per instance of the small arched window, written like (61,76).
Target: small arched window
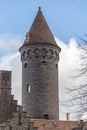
(25,65)
(56,65)
(43,62)
(28,88)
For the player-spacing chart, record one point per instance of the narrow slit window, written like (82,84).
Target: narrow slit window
(56,66)
(28,88)
(25,65)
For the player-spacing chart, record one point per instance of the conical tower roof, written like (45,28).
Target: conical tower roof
(39,32)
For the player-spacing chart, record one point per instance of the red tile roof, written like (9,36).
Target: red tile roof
(39,31)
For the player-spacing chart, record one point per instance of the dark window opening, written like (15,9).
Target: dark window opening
(43,62)
(43,56)
(37,57)
(30,57)
(46,116)
(56,66)
(25,65)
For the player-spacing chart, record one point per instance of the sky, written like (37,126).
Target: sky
(67,20)
(69,16)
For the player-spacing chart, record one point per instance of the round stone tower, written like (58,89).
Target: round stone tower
(39,56)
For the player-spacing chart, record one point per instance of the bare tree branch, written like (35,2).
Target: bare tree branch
(78,94)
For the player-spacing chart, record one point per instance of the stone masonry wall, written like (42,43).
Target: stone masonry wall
(40,81)
(7,103)
(20,121)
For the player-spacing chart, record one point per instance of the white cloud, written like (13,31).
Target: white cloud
(68,64)
(11,61)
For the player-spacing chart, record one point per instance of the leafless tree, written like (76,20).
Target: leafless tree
(78,93)
(82,125)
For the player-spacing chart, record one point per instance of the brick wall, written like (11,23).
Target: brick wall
(23,122)
(7,103)
(41,73)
